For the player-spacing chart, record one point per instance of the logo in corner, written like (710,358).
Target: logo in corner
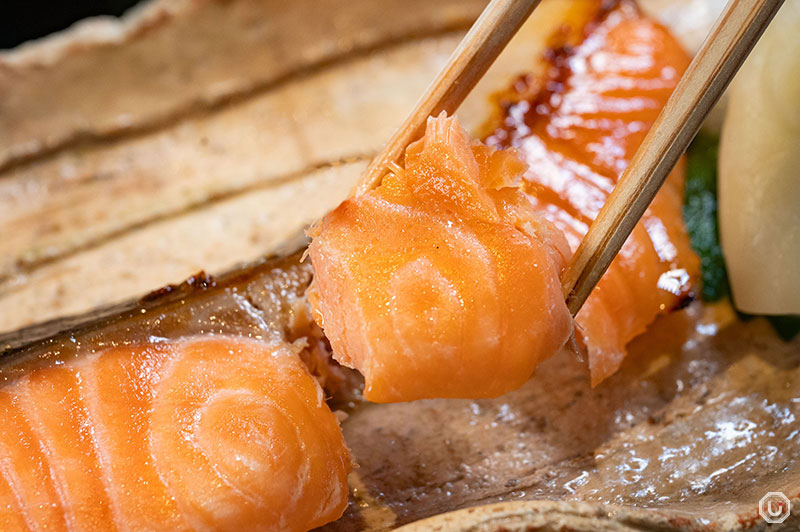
(774,507)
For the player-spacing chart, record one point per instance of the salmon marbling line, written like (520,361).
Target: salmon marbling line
(577,127)
(201,433)
(382,258)
(443,281)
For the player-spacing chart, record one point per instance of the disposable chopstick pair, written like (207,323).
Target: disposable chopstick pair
(723,52)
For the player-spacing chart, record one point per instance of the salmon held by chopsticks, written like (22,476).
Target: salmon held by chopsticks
(577,127)
(443,281)
(202,433)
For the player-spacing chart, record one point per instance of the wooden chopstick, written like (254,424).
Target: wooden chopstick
(497,24)
(724,50)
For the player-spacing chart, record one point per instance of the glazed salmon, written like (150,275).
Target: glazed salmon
(200,433)
(443,281)
(577,128)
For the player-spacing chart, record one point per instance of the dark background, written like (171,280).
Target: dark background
(23,20)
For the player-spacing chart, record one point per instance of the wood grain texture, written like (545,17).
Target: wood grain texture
(718,60)
(101,221)
(662,446)
(85,195)
(170,58)
(620,443)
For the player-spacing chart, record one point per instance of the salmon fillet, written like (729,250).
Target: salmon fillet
(443,281)
(577,128)
(214,433)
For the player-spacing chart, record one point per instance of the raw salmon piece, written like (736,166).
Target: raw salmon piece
(52,406)
(577,128)
(137,496)
(215,433)
(26,471)
(11,517)
(442,282)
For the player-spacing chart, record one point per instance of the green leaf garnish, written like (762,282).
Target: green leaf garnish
(702,223)
(700,214)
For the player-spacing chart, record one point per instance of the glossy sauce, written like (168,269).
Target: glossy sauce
(577,129)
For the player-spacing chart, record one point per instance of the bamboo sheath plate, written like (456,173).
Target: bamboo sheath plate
(201,134)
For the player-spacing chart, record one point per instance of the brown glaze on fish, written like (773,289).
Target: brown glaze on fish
(555,438)
(191,410)
(577,128)
(716,400)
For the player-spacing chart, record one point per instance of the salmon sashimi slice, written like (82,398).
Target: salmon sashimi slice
(11,516)
(137,496)
(52,406)
(26,471)
(443,281)
(577,127)
(200,433)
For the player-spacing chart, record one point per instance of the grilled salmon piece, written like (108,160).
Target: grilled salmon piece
(577,128)
(201,433)
(442,282)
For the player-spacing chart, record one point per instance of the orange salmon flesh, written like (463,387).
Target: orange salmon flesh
(214,433)
(443,281)
(577,128)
